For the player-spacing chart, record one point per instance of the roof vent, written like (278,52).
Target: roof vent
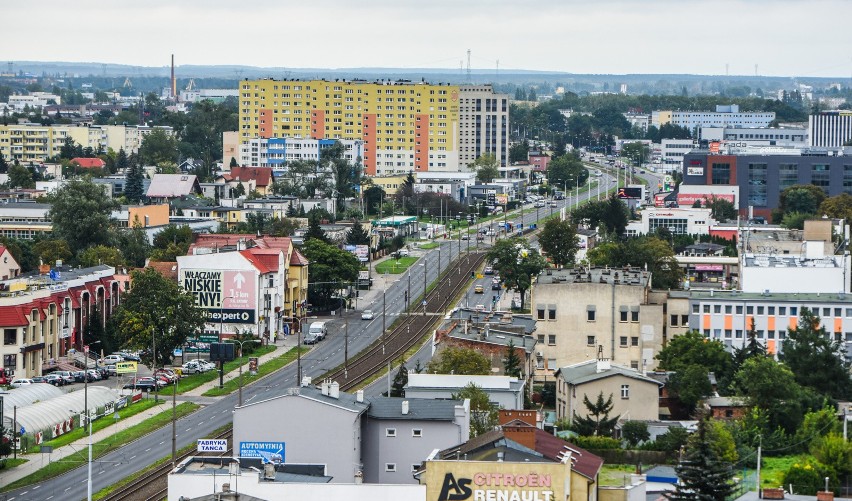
(405,407)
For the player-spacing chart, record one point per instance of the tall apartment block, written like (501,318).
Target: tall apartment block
(405,126)
(830,129)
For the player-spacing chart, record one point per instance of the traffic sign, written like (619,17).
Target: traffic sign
(125,367)
(212,445)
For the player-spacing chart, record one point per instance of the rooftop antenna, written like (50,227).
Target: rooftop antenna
(468,66)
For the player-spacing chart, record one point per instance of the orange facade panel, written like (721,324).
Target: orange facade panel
(838,325)
(421,142)
(771,347)
(318,124)
(770,323)
(369,136)
(794,321)
(265,126)
(729,322)
(706,322)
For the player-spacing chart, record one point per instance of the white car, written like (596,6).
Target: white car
(403,252)
(17,383)
(367,315)
(112,359)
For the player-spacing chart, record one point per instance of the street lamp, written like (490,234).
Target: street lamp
(240,362)
(88,420)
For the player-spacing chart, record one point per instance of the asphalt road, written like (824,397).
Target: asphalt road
(324,356)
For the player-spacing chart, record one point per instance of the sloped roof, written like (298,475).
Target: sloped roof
(89,163)
(173,185)
(268,242)
(587,371)
(168,269)
(12,317)
(418,408)
(297,259)
(265,260)
(262,176)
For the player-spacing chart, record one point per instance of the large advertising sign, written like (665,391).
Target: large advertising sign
(268,452)
(695,171)
(688,199)
(630,192)
(225,296)
(485,481)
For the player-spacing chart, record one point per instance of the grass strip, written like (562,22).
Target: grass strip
(106,491)
(193,381)
(97,425)
(395,266)
(428,246)
(12,462)
(103,447)
(263,370)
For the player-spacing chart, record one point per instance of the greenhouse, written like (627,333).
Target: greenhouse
(27,395)
(49,418)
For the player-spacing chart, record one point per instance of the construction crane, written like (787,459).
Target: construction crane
(127,83)
(191,84)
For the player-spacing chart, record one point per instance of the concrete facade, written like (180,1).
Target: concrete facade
(483,125)
(505,391)
(583,314)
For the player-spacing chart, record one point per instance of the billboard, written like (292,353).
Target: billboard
(212,445)
(688,199)
(501,198)
(695,171)
(630,192)
(268,452)
(473,481)
(225,296)
(125,367)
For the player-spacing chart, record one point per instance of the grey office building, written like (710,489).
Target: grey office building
(761,174)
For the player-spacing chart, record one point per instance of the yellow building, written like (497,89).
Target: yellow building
(405,126)
(389,183)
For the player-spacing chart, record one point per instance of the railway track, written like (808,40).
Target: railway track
(410,328)
(153,486)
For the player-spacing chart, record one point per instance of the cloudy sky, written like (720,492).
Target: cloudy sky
(783,37)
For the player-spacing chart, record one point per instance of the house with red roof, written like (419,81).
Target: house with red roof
(9,268)
(252,178)
(88,163)
(246,283)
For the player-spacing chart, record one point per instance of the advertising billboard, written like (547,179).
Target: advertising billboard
(688,199)
(630,192)
(268,452)
(228,296)
(480,480)
(695,171)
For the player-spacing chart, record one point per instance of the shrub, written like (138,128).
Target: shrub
(597,442)
(806,477)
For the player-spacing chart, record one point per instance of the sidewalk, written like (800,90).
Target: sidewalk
(37,461)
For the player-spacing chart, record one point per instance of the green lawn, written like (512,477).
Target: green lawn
(97,425)
(615,474)
(193,381)
(429,245)
(116,441)
(264,369)
(12,462)
(772,473)
(395,266)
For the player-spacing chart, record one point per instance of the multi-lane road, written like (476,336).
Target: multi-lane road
(323,357)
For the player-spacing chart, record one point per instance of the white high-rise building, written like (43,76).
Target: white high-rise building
(483,125)
(830,129)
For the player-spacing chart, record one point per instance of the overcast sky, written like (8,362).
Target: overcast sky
(783,37)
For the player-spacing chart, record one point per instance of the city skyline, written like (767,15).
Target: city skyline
(743,37)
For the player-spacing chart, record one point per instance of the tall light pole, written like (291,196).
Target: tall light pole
(88,420)
(240,362)
(424,286)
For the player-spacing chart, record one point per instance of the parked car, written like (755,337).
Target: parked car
(39,379)
(66,375)
(539,204)
(169,374)
(208,365)
(194,367)
(140,385)
(151,380)
(17,383)
(81,376)
(111,370)
(128,357)
(403,252)
(102,371)
(94,374)
(367,315)
(111,359)
(55,379)
(316,333)
(553,203)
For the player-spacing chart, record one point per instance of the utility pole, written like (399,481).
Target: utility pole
(174,424)
(384,329)
(346,347)
(424,286)
(759,451)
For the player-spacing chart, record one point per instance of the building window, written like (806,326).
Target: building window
(415,467)
(717,308)
(416,433)
(696,308)
(590,314)
(727,309)
(750,310)
(794,311)
(634,341)
(540,313)
(541,338)
(673,320)
(623,316)
(390,432)
(551,313)
(782,310)
(720,173)
(590,340)
(820,176)
(684,320)
(551,339)
(625,391)
(634,316)
(622,341)
(390,467)
(634,364)
(770,310)
(10,336)
(757,174)
(788,175)
(739,309)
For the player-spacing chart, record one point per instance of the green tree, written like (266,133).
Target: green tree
(512,362)
(121,161)
(610,215)
(566,172)
(357,235)
(453,360)
(703,475)
(636,151)
(158,147)
(134,182)
(483,414)
(635,432)
(315,231)
(803,198)
(4,166)
(331,269)
(50,251)
(795,220)
(765,382)
(516,264)
(835,452)
(815,358)
(722,210)
(486,168)
(559,241)
(672,440)
(134,246)
(691,357)
(173,234)
(806,476)
(156,308)
(519,152)
(399,381)
(101,254)
(596,422)
(20,177)
(81,214)
(839,206)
